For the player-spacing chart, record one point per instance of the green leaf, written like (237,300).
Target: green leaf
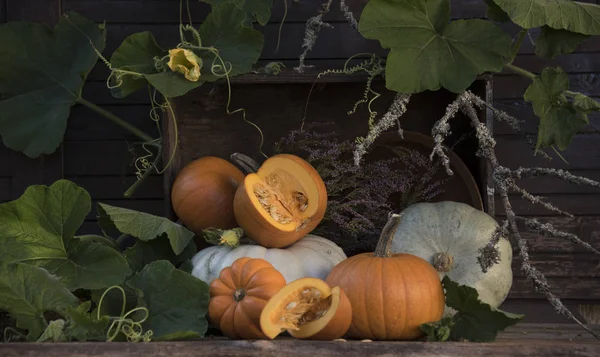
(83,326)
(136,54)
(39,228)
(558,118)
(146,227)
(568,15)
(54,332)
(427,50)
(552,43)
(256,10)
(26,292)
(237,44)
(474,321)
(172,84)
(438,331)
(42,72)
(144,253)
(585,105)
(177,301)
(495,12)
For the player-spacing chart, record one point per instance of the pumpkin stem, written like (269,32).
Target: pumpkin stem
(239,294)
(384,245)
(248,164)
(443,262)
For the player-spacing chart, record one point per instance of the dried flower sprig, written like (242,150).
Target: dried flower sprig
(313,27)
(504,180)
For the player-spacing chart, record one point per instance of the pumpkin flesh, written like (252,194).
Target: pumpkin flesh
(307,309)
(280,203)
(239,295)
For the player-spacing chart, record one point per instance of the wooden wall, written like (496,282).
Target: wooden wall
(95,152)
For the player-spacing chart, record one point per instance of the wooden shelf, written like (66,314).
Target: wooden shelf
(519,341)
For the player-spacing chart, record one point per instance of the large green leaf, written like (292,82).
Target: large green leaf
(136,54)
(559,121)
(54,332)
(428,51)
(569,15)
(85,326)
(42,72)
(259,10)
(144,253)
(238,45)
(495,12)
(146,227)
(552,42)
(39,228)
(177,301)
(26,292)
(475,321)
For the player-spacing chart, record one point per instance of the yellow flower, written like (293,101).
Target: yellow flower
(185,62)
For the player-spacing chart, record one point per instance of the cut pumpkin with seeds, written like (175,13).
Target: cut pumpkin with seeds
(280,203)
(307,308)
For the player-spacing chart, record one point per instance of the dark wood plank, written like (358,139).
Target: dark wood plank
(44,170)
(542,343)
(563,287)
(86,125)
(582,154)
(110,158)
(540,311)
(576,204)
(42,11)
(113,187)
(5,193)
(157,11)
(551,185)
(572,63)
(5,161)
(563,265)
(3,11)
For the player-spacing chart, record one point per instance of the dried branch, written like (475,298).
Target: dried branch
(528,172)
(441,129)
(396,110)
(348,14)
(313,27)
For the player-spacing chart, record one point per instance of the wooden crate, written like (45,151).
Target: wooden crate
(277,105)
(523,340)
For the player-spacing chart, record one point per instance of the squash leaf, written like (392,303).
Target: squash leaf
(145,226)
(256,10)
(85,326)
(427,50)
(42,72)
(239,45)
(39,229)
(559,120)
(135,54)
(551,42)
(568,15)
(144,253)
(54,332)
(495,12)
(177,301)
(26,292)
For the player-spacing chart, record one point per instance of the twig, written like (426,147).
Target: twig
(313,27)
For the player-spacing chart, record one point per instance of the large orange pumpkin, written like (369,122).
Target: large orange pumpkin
(307,308)
(239,295)
(202,194)
(282,202)
(391,294)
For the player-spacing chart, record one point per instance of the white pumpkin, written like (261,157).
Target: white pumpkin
(311,256)
(458,231)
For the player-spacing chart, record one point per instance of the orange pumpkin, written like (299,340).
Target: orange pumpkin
(239,295)
(391,294)
(307,308)
(202,194)
(280,203)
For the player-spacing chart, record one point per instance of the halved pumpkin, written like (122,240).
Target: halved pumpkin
(307,308)
(280,203)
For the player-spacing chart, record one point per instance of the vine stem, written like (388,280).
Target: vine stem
(518,70)
(115,119)
(148,172)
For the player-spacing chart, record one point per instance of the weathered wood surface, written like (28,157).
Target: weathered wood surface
(524,340)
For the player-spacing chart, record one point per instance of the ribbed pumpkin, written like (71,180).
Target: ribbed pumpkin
(239,295)
(391,294)
(202,194)
(282,202)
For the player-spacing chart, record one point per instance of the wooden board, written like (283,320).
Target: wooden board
(524,340)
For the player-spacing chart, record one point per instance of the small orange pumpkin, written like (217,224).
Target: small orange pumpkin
(239,295)
(307,308)
(280,203)
(202,194)
(391,294)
